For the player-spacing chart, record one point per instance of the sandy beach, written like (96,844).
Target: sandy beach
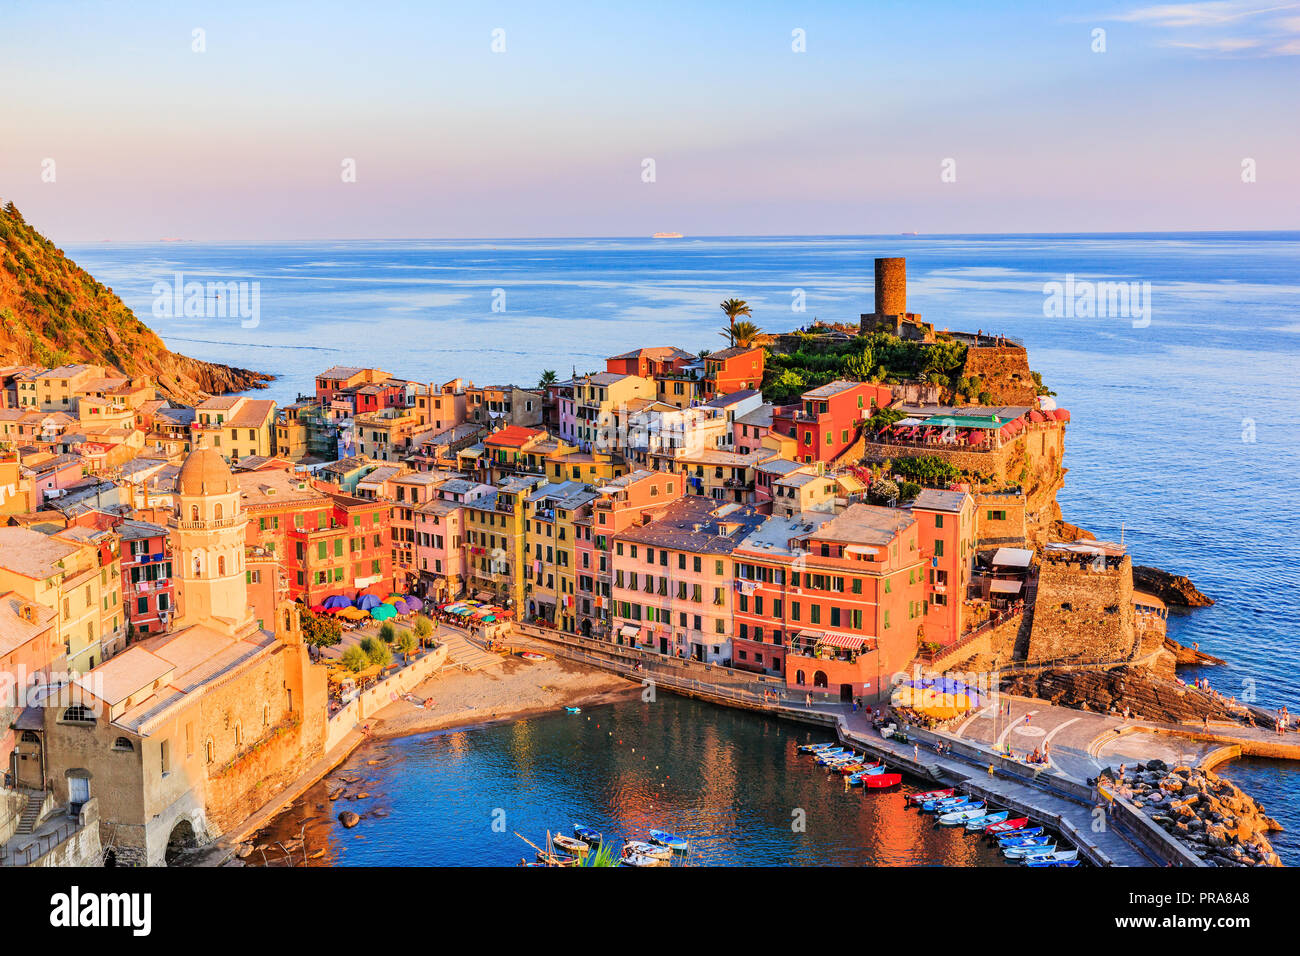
(513,689)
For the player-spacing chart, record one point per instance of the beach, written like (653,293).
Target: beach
(513,689)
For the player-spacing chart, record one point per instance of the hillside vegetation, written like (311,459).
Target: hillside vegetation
(53,312)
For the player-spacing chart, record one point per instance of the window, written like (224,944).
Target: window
(123,745)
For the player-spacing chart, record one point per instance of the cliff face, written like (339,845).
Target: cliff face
(53,312)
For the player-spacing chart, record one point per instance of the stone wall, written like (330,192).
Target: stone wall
(1005,373)
(1081,611)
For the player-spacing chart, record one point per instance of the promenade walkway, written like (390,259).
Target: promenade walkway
(1082,743)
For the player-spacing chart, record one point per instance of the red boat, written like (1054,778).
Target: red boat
(930,795)
(882,781)
(995,828)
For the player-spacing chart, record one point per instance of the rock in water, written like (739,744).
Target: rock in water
(349,819)
(1174,589)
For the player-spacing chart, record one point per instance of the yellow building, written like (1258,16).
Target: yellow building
(549,550)
(237,427)
(590,467)
(495,539)
(64,576)
(55,389)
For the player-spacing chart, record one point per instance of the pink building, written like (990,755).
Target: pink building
(673,579)
(440,536)
(628,500)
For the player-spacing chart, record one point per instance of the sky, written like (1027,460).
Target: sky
(275,120)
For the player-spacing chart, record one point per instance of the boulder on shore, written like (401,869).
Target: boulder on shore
(1173,589)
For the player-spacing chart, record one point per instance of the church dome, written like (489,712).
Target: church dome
(204,472)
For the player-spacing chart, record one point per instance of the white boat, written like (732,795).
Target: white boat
(958,817)
(640,859)
(642,848)
(988,819)
(1029,852)
(1060,855)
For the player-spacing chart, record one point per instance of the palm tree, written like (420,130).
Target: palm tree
(742,334)
(732,308)
(548,378)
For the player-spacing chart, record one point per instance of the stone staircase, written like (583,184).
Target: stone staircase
(31,814)
(464,653)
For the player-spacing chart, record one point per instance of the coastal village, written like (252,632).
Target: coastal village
(208,603)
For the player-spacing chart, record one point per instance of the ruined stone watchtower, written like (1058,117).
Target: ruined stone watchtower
(891,313)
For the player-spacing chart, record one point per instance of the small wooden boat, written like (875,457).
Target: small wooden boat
(1064,856)
(1040,840)
(587,835)
(815,748)
(570,845)
(979,823)
(573,710)
(647,849)
(951,803)
(1024,833)
(640,859)
(1025,852)
(852,768)
(961,816)
(919,798)
(671,840)
(532,656)
(553,859)
(1006,825)
(839,756)
(882,781)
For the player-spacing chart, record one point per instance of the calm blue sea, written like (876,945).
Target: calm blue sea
(1184,430)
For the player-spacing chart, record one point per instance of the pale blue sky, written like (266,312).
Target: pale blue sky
(246,140)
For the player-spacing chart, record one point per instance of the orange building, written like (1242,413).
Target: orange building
(732,370)
(833,603)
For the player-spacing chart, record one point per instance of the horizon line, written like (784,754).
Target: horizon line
(642,237)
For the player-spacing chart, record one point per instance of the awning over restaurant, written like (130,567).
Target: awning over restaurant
(1013,558)
(1004,587)
(831,639)
(629,630)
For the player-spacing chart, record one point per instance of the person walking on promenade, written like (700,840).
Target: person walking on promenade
(916,752)
(807,699)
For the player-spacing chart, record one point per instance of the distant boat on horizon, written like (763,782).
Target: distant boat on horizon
(910,234)
(667,235)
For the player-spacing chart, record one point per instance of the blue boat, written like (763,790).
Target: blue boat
(670,840)
(949,803)
(815,748)
(573,710)
(1025,842)
(1020,834)
(587,835)
(979,823)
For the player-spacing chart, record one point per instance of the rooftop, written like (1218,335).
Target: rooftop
(867,524)
(32,554)
(933,499)
(698,525)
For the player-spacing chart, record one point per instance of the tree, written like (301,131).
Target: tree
(387,633)
(355,659)
(376,652)
(423,628)
(733,308)
(742,334)
(407,644)
(883,491)
(320,630)
(548,378)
